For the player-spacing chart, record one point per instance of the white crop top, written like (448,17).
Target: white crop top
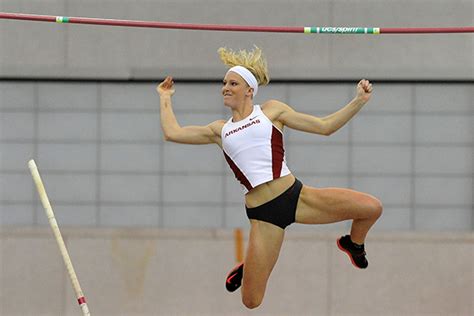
(253,148)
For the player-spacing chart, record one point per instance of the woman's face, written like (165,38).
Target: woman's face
(235,90)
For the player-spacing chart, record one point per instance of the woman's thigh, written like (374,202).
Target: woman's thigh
(263,249)
(330,205)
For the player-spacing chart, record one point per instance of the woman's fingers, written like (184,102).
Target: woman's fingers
(167,83)
(366,85)
(166,86)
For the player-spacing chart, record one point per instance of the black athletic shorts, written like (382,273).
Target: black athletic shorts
(280,211)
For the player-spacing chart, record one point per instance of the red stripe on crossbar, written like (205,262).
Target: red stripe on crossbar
(154,24)
(426,30)
(219,27)
(81,300)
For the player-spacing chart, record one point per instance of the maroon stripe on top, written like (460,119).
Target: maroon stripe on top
(277,152)
(238,173)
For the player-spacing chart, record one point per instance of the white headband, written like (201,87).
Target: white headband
(247,76)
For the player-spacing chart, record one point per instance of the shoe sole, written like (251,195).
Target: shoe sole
(348,253)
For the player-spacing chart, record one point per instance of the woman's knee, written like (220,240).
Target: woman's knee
(251,302)
(251,297)
(376,208)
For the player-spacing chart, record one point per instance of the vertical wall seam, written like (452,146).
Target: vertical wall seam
(350,155)
(35,148)
(98,153)
(412,224)
(471,101)
(161,167)
(224,221)
(329,277)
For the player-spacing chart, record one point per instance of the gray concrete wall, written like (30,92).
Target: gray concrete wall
(100,150)
(148,272)
(32,50)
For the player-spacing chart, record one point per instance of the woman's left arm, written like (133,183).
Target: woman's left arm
(338,119)
(325,125)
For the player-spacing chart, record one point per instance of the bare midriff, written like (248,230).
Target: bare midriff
(268,191)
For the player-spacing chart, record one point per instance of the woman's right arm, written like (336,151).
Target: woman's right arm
(173,132)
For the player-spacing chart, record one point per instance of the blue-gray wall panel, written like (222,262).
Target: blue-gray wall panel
(438,98)
(130,188)
(394,97)
(192,216)
(130,97)
(444,160)
(192,159)
(192,189)
(67,96)
(455,129)
(233,192)
(444,191)
(17,126)
(130,127)
(130,158)
(390,190)
(235,216)
(381,159)
(323,181)
(16,187)
(321,158)
(394,219)
(71,215)
(58,126)
(70,187)
(104,162)
(16,214)
(313,98)
(67,157)
(386,129)
(129,216)
(339,137)
(15,156)
(444,219)
(17,95)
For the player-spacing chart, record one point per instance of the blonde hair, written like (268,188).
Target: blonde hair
(254,61)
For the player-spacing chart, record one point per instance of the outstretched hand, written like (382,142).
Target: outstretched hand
(364,90)
(166,88)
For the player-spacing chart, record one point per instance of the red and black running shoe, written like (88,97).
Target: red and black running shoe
(234,278)
(355,252)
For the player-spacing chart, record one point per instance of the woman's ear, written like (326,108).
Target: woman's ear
(250,92)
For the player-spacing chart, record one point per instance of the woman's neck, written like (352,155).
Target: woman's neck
(242,112)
